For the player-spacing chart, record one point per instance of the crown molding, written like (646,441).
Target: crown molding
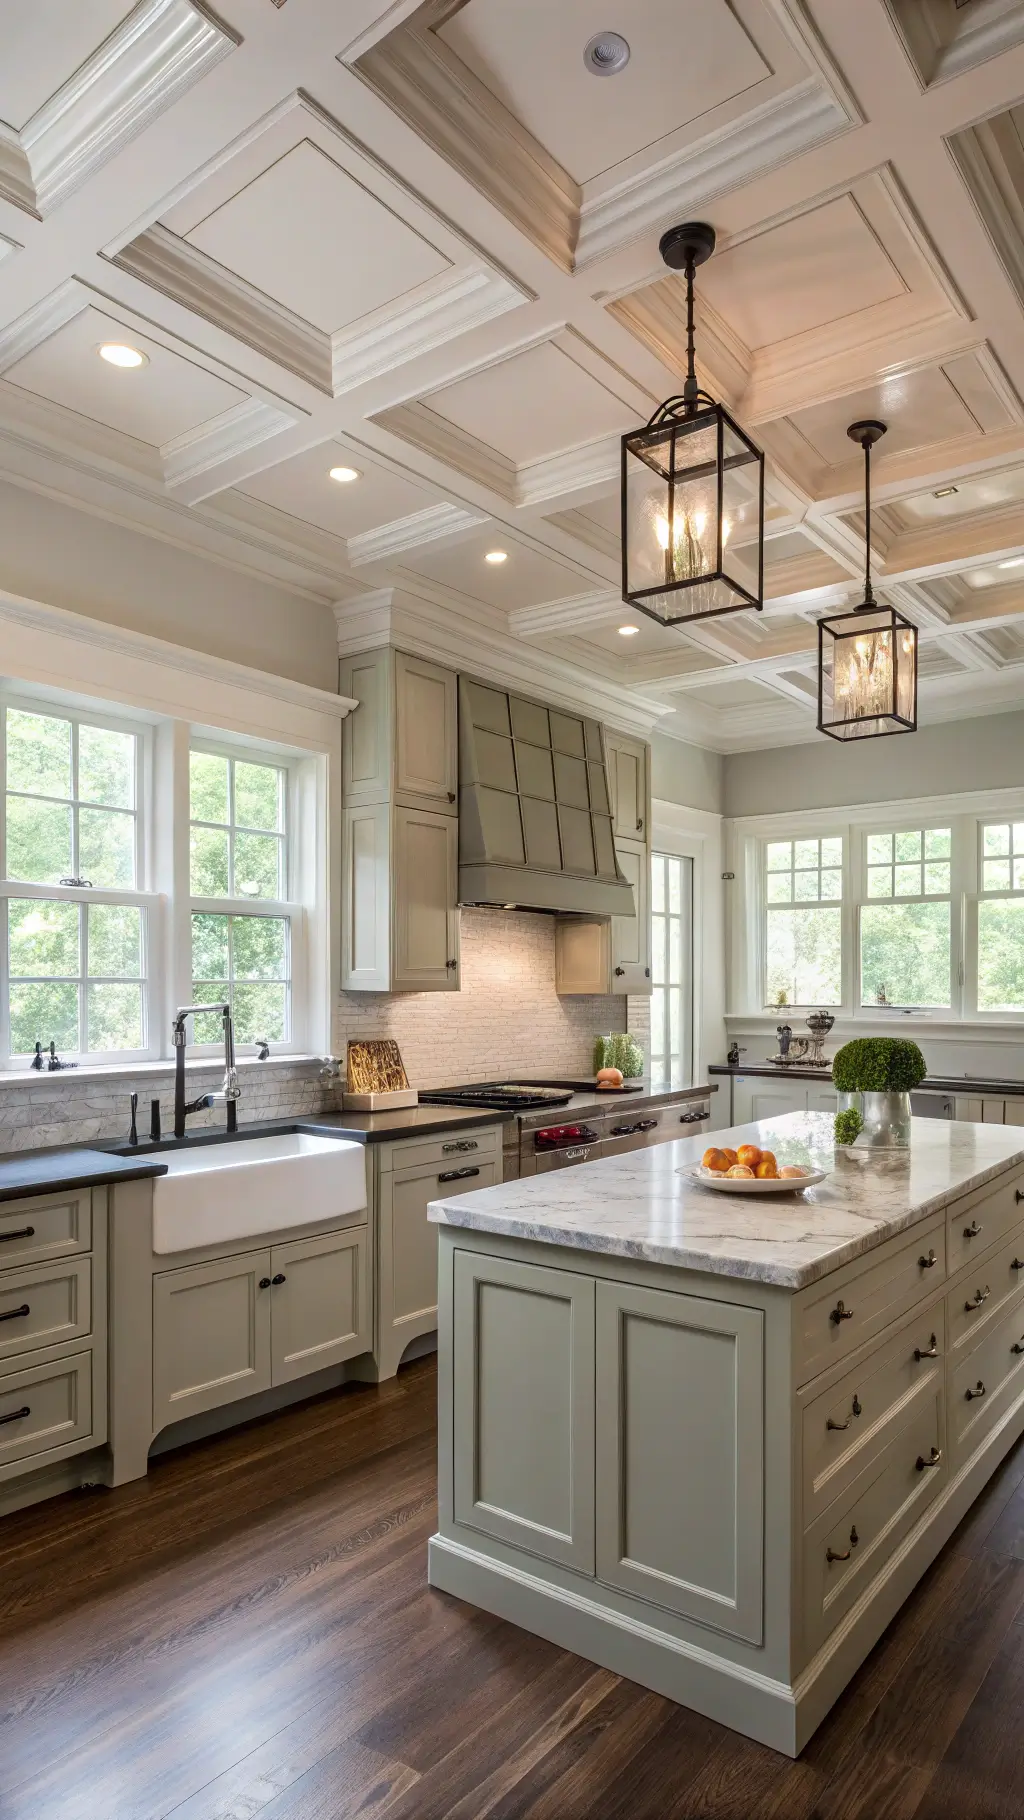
(438,629)
(412,533)
(445,442)
(223,438)
(574,471)
(578,613)
(158,51)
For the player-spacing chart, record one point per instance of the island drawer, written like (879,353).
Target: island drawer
(984,1294)
(850,1544)
(45,1407)
(447,1152)
(838,1314)
(850,1424)
(44,1306)
(44,1226)
(980,1222)
(984,1384)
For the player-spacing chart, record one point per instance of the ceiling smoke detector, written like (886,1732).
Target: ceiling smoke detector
(606,54)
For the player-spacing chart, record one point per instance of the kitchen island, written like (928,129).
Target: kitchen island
(709,1441)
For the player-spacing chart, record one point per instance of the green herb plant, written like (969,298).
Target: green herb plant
(848,1126)
(878,1064)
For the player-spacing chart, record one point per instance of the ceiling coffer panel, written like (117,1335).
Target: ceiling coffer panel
(535,825)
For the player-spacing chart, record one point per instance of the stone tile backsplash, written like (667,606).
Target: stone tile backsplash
(507,1018)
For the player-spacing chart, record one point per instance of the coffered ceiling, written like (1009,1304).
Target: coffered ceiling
(417,244)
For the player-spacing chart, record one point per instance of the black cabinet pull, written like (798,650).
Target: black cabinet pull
(462,1144)
(934,1459)
(1017,1264)
(980,1296)
(280,1278)
(972,1231)
(929,1262)
(23,1232)
(16,1415)
(16,1314)
(831,1554)
(264,1282)
(458,1175)
(1019,1195)
(840,1313)
(978,1391)
(932,1353)
(1018,1346)
(619,971)
(451,796)
(451,966)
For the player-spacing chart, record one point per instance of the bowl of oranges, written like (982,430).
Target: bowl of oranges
(750,1170)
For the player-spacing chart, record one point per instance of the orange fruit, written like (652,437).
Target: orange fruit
(748,1154)
(715,1159)
(766,1170)
(730,1155)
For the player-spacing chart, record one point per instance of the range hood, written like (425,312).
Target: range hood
(535,825)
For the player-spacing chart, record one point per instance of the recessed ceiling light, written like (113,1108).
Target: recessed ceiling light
(343,475)
(1014,562)
(119,354)
(628,631)
(944,492)
(606,53)
(496,556)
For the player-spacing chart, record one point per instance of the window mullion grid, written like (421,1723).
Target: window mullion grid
(76,845)
(231,827)
(83,976)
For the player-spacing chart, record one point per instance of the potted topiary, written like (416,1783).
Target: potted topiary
(874,1077)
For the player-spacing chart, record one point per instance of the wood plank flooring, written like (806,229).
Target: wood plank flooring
(247,1634)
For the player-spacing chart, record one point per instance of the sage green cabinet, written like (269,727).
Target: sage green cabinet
(629,780)
(233,1326)
(400,877)
(407,1273)
(610,955)
(523,1383)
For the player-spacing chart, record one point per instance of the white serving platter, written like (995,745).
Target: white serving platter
(739,1184)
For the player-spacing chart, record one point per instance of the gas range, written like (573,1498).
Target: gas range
(533,1146)
(501,1096)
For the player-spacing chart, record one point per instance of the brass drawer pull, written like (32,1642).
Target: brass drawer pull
(23,1232)
(832,1555)
(929,1262)
(934,1460)
(979,1391)
(980,1296)
(16,1415)
(972,1231)
(16,1314)
(932,1353)
(840,1313)
(856,1409)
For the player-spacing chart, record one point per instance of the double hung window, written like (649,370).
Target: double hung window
(906,919)
(1001,917)
(803,889)
(671,968)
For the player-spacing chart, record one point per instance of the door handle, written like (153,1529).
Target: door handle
(23,1232)
(16,1415)
(980,1296)
(978,1391)
(831,1554)
(932,1353)
(929,1262)
(458,1175)
(16,1314)
(934,1459)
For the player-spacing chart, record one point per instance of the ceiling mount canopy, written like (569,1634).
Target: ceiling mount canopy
(692,489)
(867,659)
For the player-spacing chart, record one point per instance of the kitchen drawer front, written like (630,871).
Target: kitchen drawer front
(45,1407)
(448,1152)
(832,1321)
(984,1294)
(44,1226)
(848,1426)
(984,1383)
(44,1306)
(990,1216)
(861,1531)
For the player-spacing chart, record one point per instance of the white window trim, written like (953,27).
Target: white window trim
(963,813)
(763,906)
(696,834)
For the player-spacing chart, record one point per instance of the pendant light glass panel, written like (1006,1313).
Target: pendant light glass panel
(867,674)
(692,517)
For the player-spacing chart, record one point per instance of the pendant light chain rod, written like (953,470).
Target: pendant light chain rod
(690,393)
(869,593)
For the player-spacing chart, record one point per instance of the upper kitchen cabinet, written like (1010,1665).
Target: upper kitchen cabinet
(400,917)
(629,779)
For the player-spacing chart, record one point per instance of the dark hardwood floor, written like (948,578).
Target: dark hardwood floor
(248,1635)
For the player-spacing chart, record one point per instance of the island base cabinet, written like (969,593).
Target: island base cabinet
(680,1454)
(523,1354)
(320,1312)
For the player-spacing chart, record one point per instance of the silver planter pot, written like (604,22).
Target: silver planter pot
(886,1119)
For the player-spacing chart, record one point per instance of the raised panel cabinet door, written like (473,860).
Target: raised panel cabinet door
(524,1406)
(408,1247)
(320,1308)
(680,1454)
(46,1410)
(366,734)
(753,1097)
(631,935)
(426,747)
(627,766)
(366,898)
(582,956)
(211,1335)
(425,894)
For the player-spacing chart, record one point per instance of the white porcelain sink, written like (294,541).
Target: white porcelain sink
(247,1186)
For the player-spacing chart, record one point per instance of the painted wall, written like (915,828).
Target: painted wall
(983,753)
(686,774)
(53,553)
(507,1019)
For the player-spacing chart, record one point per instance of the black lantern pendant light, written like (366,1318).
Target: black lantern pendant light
(692,490)
(867,659)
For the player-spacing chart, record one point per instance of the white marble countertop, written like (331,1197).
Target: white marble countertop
(646,1205)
